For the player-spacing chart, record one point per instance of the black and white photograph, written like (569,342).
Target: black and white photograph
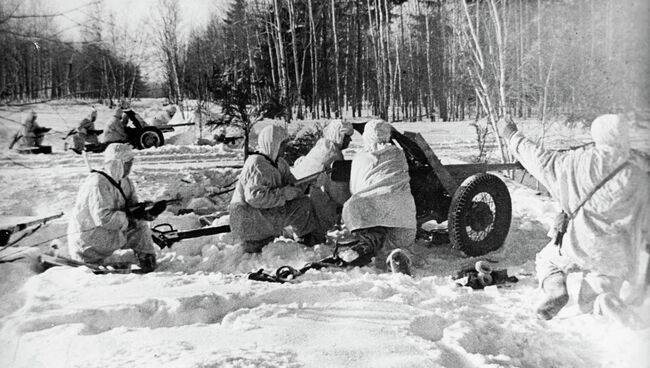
(324,183)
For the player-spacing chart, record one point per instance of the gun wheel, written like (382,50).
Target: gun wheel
(149,137)
(479,215)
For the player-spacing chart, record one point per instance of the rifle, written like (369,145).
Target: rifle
(6,232)
(151,208)
(70,133)
(15,140)
(165,238)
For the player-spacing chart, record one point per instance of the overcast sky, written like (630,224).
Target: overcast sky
(194,13)
(136,13)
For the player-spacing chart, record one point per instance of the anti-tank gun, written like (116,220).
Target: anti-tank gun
(475,204)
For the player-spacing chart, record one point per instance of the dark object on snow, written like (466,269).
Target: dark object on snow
(35,149)
(288,273)
(476,205)
(478,281)
(560,225)
(167,237)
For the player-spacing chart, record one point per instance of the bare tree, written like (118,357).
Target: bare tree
(168,42)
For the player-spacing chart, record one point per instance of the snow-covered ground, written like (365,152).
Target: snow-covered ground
(199,309)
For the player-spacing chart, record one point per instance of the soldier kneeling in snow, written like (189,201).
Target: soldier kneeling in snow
(86,133)
(33,133)
(265,200)
(327,196)
(381,210)
(164,116)
(102,222)
(604,190)
(117,130)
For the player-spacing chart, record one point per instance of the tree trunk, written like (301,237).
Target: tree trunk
(314,62)
(282,64)
(294,49)
(337,100)
(359,74)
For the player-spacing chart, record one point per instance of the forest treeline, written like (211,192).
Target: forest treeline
(401,60)
(37,63)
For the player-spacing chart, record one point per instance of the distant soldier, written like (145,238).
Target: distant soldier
(86,133)
(116,132)
(33,133)
(164,116)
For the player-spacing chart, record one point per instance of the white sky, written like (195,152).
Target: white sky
(129,14)
(193,12)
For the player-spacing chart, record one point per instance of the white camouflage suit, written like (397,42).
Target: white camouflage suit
(86,132)
(265,201)
(381,208)
(605,239)
(325,194)
(116,129)
(165,116)
(32,132)
(99,224)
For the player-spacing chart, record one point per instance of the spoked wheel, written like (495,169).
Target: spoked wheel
(150,136)
(479,215)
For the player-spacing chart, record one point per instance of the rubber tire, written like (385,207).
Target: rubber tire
(149,132)
(460,206)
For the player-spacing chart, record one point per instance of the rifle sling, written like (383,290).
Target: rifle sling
(572,214)
(115,184)
(593,191)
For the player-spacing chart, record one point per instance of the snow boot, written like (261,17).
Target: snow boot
(311,239)
(399,262)
(146,261)
(557,297)
(255,246)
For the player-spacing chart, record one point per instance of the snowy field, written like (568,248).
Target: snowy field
(199,309)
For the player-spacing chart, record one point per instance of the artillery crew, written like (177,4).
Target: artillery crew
(164,116)
(381,210)
(265,200)
(327,196)
(86,132)
(33,134)
(116,130)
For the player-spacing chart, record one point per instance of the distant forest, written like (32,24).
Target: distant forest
(400,60)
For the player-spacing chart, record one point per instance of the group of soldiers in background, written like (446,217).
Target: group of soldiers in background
(86,134)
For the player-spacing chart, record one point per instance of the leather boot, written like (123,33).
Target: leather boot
(557,297)
(399,262)
(146,261)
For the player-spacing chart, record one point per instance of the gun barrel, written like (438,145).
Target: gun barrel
(205,231)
